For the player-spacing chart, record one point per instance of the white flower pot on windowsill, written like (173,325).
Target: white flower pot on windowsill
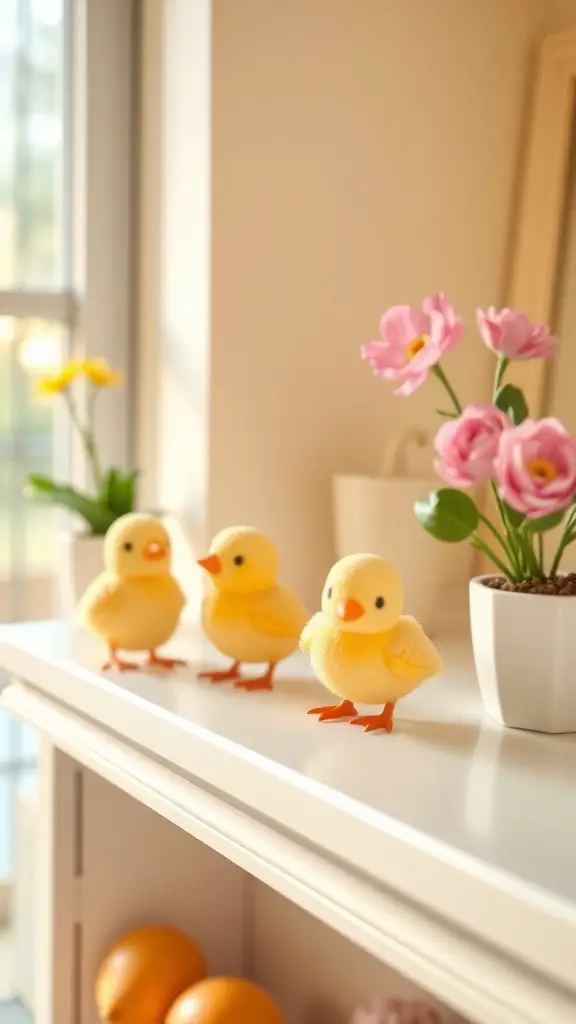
(80,560)
(525,657)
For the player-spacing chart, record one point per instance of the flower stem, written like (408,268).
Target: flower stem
(439,372)
(531,560)
(482,546)
(565,540)
(87,437)
(500,371)
(494,531)
(514,545)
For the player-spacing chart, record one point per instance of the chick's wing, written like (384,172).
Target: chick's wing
(278,612)
(409,653)
(309,632)
(180,598)
(102,601)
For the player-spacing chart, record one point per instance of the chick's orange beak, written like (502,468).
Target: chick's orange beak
(211,563)
(349,610)
(154,551)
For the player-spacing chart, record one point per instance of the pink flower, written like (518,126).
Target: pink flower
(536,467)
(513,335)
(412,341)
(467,446)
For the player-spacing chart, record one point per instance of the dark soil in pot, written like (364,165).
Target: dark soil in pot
(558,586)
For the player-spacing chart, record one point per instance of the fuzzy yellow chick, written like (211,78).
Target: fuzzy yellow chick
(361,646)
(249,618)
(135,604)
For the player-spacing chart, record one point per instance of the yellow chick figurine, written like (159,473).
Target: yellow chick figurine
(249,618)
(135,604)
(361,646)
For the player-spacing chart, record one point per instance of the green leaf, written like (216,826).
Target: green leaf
(448,515)
(98,516)
(118,492)
(545,523)
(446,414)
(511,401)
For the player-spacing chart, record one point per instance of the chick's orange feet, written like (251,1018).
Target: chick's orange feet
(332,712)
(155,659)
(115,661)
(372,723)
(264,682)
(227,675)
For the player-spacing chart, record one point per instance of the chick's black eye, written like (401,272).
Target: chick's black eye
(380,602)
(128,546)
(239,560)
(329,593)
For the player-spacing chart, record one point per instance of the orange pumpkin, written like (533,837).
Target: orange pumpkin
(225,1001)
(144,972)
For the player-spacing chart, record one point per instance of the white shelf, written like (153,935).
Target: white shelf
(447,849)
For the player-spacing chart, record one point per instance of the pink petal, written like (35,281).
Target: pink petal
(439,303)
(400,325)
(444,334)
(411,384)
(490,331)
(383,358)
(424,359)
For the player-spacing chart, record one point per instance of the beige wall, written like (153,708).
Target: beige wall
(364,152)
(557,14)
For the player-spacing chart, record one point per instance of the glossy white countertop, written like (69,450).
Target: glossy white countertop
(476,823)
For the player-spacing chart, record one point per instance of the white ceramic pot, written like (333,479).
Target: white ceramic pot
(525,656)
(374,514)
(81,559)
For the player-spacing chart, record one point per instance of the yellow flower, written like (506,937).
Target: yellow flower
(101,374)
(53,383)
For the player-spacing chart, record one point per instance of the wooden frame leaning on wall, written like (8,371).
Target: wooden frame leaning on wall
(538,236)
(540,220)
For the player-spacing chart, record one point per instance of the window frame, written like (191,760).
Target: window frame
(97,303)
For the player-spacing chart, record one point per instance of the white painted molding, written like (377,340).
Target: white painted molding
(102,222)
(148,230)
(449,963)
(444,874)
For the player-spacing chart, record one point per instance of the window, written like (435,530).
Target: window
(34,281)
(34,326)
(66,197)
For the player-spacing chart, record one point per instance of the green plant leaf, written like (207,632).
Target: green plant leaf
(446,414)
(510,400)
(543,524)
(118,492)
(96,514)
(448,515)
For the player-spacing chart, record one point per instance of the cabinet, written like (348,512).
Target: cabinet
(327,864)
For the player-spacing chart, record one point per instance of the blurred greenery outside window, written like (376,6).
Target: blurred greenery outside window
(34,304)
(33,269)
